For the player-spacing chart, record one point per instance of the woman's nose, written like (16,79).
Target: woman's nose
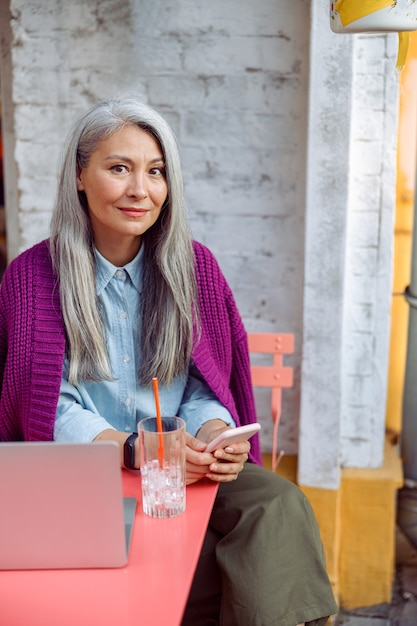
(137,186)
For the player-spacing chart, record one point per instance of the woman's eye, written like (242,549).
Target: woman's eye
(157,171)
(119,169)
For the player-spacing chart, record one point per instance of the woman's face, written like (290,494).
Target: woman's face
(125,186)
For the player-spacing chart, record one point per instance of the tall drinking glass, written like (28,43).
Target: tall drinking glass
(162,466)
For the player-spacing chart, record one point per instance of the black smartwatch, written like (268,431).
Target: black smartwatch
(129,451)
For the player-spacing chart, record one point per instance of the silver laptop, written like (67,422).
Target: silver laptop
(62,506)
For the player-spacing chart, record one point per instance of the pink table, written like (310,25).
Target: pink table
(152,589)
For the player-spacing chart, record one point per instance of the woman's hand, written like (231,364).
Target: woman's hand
(197,461)
(223,465)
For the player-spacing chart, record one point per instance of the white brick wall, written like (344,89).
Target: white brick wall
(369,251)
(233,80)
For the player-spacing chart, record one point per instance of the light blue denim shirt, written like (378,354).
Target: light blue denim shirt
(87,409)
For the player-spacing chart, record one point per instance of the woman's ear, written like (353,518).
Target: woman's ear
(80,185)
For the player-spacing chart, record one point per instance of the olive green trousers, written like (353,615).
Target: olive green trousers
(262,561)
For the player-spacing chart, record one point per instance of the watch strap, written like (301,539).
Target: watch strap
(129,451)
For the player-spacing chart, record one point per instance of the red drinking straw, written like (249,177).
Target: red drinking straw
(158,422)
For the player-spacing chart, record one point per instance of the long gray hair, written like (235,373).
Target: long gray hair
(168,303)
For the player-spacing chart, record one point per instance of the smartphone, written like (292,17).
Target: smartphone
(233,435)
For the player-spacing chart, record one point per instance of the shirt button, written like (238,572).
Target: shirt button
(122,315)
(128,402)
(127,428)
(120,274)
(126,358)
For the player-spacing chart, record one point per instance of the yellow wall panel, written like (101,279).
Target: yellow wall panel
(406,172)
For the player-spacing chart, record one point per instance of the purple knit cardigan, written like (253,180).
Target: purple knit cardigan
(32,346)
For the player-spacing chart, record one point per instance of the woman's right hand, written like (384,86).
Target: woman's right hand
(197,461)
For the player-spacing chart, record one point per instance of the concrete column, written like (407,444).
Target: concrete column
(325,236)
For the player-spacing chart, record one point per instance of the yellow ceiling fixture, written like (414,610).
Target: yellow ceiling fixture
(376,16)
(352,10)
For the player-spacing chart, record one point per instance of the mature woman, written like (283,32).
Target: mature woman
(120,294)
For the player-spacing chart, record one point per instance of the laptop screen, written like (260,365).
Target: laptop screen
(62,506)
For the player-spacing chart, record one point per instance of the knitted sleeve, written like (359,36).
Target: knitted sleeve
(3,339)
(32,346)
(10,354)
(222,354)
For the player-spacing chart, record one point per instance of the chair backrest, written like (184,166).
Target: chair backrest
(275,376)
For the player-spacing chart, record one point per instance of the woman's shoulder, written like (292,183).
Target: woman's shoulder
(200,250)
(30,267)
(204,257)
(209,274)
(37,255)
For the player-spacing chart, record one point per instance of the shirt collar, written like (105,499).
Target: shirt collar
(105,270)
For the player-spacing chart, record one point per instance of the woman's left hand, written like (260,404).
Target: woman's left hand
(228,462)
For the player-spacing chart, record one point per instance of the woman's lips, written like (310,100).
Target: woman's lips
(132,212)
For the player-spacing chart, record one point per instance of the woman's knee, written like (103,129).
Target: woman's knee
(269,485)
(260,489)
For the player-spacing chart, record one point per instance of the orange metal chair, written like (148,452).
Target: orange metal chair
(275,376)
